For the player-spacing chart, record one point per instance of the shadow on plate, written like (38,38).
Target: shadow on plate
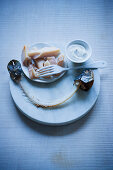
(56,130)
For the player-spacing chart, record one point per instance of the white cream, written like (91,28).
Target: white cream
(78,52)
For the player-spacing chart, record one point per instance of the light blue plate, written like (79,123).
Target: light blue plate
(73,109)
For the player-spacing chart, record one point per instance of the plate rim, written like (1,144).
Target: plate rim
(55,124)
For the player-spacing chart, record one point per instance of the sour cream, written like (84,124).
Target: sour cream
(78,51)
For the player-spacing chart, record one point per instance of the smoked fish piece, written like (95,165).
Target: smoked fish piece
(39,63)
(32,72)
(60,60)
(52,60)
(26,60)
(44,52)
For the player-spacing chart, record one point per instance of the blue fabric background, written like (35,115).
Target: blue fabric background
(85,144)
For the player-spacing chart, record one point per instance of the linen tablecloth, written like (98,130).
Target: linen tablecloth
(85,144)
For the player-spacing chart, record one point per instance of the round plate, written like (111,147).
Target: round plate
(43,80)
(73,109)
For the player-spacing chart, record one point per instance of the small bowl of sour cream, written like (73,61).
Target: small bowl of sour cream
(78,51)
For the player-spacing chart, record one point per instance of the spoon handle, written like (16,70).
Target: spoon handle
(95,65)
